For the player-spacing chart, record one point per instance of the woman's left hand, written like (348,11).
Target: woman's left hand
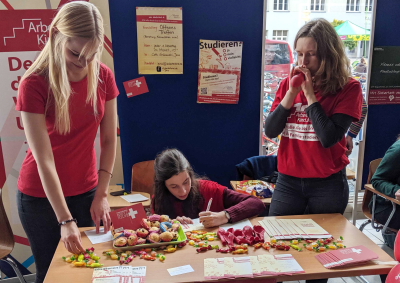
(212,219)
(100,210)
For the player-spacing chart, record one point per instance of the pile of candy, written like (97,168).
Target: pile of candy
(319,245)
(198,237)
(88,259)
(239,240)
(155,228)
(147,254)
(237,249)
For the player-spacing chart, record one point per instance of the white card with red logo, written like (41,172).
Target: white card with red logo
(128,217)
(135,87)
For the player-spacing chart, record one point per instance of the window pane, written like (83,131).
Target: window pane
(286,5)
(275,4)
(312,5)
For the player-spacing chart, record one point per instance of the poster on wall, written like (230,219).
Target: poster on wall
(385,83)
(220,64)
(160,41)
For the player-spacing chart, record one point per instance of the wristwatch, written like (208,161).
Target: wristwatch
(227,216)
(67,221)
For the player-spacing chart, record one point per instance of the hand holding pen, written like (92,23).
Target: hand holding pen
(212,219)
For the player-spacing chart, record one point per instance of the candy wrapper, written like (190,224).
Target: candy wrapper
(256,188)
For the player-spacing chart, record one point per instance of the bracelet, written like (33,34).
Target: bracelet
(104,170)
(67,221)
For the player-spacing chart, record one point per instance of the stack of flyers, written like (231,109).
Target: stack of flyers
(346,256)
(119,274)
(250,266)
(282,264)
(287,229)
(236,267)
(214,268)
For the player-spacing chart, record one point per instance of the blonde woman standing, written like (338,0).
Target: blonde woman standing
(64,97)
(313,119)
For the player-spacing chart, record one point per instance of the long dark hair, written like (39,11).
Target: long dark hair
(169,163)
(334,71)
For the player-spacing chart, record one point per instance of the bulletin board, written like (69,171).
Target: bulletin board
(214,137)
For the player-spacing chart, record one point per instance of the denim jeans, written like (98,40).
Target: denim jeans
(297,196)
(382,216)
(41,226)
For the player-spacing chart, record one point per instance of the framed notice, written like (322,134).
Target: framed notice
(385,83)
(220,64)
(160,44)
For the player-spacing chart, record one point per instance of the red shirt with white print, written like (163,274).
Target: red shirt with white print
(301,154)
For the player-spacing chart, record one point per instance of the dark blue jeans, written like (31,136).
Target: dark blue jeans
(41,226)
(297,196)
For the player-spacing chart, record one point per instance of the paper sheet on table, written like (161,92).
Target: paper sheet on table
(134,198)
(237,225)
(112,274)
(214,268)
(99,238)
(195,226)
(180,270)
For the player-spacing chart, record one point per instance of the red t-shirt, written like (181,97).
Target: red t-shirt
(301,154)
(74,153)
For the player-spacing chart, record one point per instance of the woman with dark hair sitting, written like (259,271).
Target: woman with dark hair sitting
(387,180)
(181,194)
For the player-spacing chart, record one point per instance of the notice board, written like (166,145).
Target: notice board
(214,137)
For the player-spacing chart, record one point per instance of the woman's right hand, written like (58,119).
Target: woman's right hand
(71,237)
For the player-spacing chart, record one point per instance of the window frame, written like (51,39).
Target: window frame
(282,36)
(314,3)
(282,3)
(353,6)
(369,5)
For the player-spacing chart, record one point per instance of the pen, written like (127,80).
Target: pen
(209,204)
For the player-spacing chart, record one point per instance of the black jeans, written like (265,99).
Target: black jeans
(41,226)
(297,196)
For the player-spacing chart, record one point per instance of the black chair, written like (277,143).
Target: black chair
(7,241)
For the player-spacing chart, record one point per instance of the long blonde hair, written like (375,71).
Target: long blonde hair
(74,19)
(334,71)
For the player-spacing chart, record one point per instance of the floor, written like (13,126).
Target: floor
(376,237)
